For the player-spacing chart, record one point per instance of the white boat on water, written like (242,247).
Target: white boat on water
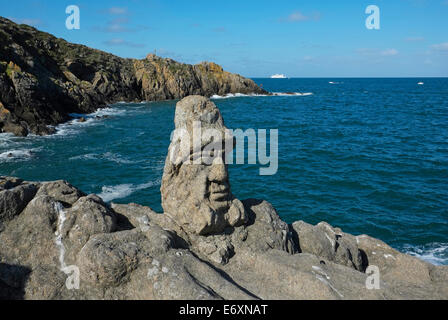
(278,76)
(421,83)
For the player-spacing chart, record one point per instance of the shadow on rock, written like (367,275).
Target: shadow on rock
(12,281)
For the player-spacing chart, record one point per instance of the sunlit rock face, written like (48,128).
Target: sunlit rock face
(195,186)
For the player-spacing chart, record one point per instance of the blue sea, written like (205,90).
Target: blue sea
(366,155)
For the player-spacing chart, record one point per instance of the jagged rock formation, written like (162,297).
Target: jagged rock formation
(43,79)
(128,251)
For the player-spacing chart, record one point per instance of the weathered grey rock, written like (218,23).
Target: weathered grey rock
(61,191)
(136,216)
(76,225)
(9,182)
(198,196)
(149,265)
(265,230)
(107,259)
(215,248)
(329,243)
(404,274)
(45,238)
(278,275)
(15,198)
(150,260)
(29,240)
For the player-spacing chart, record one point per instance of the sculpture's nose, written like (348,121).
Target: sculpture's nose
(218,172)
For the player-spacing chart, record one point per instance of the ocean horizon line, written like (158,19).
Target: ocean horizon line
(413,77)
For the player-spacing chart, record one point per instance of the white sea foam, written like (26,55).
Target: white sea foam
(435,253)
(108,112)
(6,139)
(108,156)
(19,154)
(88,156)
(276,94)
(73,126)
(116,158)
(109,193)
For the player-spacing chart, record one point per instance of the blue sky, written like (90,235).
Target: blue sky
(258,38)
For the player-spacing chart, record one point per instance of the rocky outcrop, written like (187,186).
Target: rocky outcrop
(51,232)
(43,79)
(330,243)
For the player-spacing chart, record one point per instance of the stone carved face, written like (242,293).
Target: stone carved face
(196,190)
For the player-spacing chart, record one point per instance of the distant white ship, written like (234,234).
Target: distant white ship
(278,76)
(421,83)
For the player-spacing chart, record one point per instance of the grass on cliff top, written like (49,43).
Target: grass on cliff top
(12,67)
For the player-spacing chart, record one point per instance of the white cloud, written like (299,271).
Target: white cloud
(117,10)
(298,16)
(389,52)
(440,46)
(376,52)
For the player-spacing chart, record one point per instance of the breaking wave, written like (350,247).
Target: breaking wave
(73,126)
(274,94)
(17,155)
(109,193)
(435,253)
(108,156)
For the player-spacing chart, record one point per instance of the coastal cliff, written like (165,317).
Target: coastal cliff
(44,79)
(207,244)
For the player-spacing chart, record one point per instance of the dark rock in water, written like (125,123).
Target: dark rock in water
(82,119)
(52,234)
(43,130)
(102,117)
(43,79)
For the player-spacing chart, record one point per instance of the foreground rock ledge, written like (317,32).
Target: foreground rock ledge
(209,248)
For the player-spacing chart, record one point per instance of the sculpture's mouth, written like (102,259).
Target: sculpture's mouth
(219,191)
